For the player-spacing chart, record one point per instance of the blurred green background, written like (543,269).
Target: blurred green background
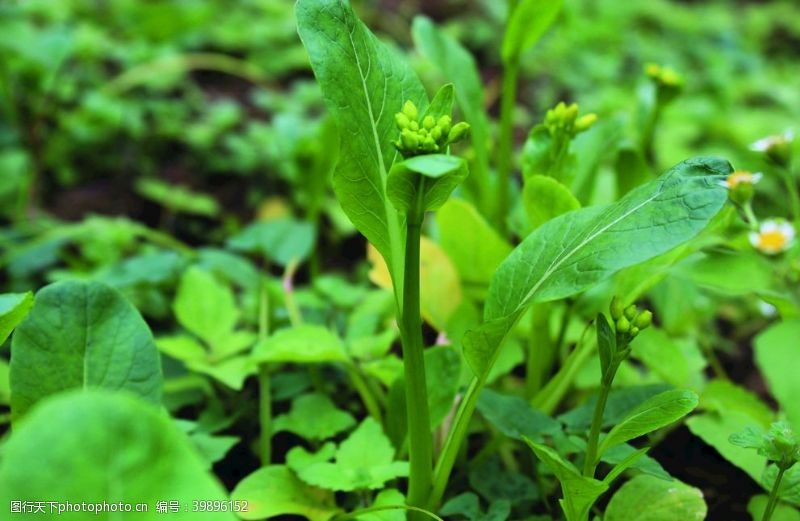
(106,102)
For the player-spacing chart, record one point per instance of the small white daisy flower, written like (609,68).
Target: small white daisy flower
(773,236)
(741,177)
(765,144)
(767,309)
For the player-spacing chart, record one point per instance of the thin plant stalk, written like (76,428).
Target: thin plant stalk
(264,395)
(506,140)
(794,197)
(420,440)
(590,462)
(773,494)
(557,386)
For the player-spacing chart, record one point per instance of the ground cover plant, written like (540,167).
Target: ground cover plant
(396,260)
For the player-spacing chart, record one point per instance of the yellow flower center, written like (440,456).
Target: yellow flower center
(771,241)
(737,178)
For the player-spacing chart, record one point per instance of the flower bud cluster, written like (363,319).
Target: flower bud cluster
(667,81)
(629,321)
(563,120)
(427,136)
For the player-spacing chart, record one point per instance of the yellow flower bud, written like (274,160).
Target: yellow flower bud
(410,110)
(401,120)
(585,122)
(444,124)
(457,132)
(616,308)
(631,311)
(623,326)
(644,319)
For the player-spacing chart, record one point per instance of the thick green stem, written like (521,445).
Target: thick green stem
(420,439)
(505,147)
(773,494)
(590,463)
(363,390)
(752,220)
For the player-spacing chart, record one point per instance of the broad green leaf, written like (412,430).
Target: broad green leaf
(773,349)
(212,448)
(620,403)
(275,490)
(301,344)
(442,373)
(365,460)
(624,464)
(527,23)
(364,84)
(385,498)
(656,412)
(739,273)
(647,498)
(783,512)
(724,396)
(176,198)
(13,308)
(515,417)
(231,371)
(439,175)
(749,438)
(82,335)
(545,198)
(442,102)
(205,306)
(152,268)
(576,250)
(715,429)
(580,492)
(113,447)
(222,365)
(496,483)
(470,242)
(233,267)
(659,353)
(280,240)
(458,66)
(644,463)
(468,505)
(298,458)
(314,417)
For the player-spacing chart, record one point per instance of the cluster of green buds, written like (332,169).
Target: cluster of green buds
(629,321)
(563,120)
(431,135)
(667,81)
